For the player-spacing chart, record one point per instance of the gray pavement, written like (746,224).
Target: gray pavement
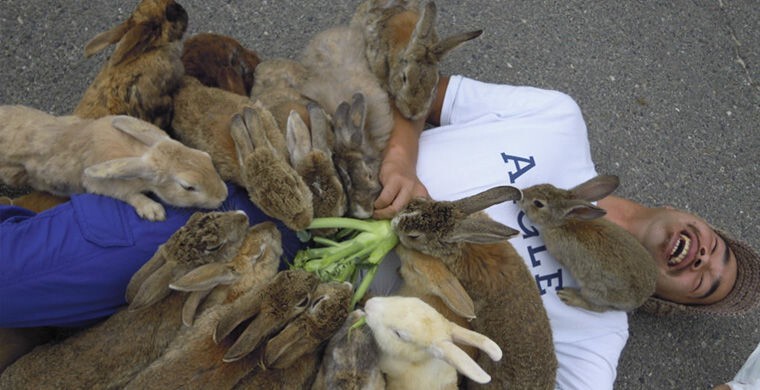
(670,91)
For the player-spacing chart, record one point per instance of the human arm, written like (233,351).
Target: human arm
(398,171)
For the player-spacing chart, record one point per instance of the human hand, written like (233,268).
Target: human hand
(398,175)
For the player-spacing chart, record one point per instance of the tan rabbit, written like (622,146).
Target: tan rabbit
(350,360)
(110,353)
(277,86)
(37,201)
(417,344)
(220,61)
(403,50)
(311,156)
(118,156)
(144,69)
(508,307)
(614,271)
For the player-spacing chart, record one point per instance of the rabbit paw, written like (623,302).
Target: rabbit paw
(148,209)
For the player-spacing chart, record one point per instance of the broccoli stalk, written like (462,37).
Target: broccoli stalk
(341,260)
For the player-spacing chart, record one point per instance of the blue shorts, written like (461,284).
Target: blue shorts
(70,265)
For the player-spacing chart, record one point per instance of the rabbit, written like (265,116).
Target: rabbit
(356,157)
(350,360)
(222,347)
(118,156)
(202,117)
(291,358)
(403,50)
(417,345)
(337,70)
(614,271)
(110,353)
(144,69)
(220,61)
(508,307)
(272,183)
(277,86)
(37,201)
(311,156)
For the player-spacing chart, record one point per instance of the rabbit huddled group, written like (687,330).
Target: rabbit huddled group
(305,137)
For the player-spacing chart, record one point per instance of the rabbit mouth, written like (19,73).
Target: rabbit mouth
(680,250)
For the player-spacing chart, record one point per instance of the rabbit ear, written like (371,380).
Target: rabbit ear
(205,277)
(155,287)
(297,136)
(475,339)
(480,231)
(488,198)
(344,134)
(190,307)
(145,132)
(155,262)
(423,31)
(120,168)
(582,210)
(241,138)
(106,38)
(596,188)
(286,346)
(136,40)
(452,42)
(450,353)
(320,130)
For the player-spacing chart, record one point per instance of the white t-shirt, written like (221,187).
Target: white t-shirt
(492,135)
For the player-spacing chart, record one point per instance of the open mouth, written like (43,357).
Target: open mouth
(680,250)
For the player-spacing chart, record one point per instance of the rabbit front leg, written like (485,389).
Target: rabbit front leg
(146,207)
(574,297)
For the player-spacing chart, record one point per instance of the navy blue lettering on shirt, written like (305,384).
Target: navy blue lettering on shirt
(529,162)
(518,166)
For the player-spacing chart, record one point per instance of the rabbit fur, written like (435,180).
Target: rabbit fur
(350,360)
(417,345)
(220,61)
(110,353)
(403,50)
(356,156)
(247,147)
(277,85)
(213,353)
(118,156)
(311,156)
(144,69)
(614,271)
(37,201)
(508,307)
(292,357)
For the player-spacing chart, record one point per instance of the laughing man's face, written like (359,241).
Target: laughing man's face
(695,264)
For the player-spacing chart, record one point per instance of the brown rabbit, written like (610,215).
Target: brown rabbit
(37,201)
(350,360)
(311,156)
(357,157)
(222,347)
(144,70)
(614,271)
(118,156)
(403,50)
(277,85)
(110,353)
(220,61)
(508,307)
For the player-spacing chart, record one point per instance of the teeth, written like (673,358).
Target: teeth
(680,250)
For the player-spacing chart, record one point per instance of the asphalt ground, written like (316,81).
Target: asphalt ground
(670,92)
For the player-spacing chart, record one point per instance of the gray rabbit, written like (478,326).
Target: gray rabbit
(614,271)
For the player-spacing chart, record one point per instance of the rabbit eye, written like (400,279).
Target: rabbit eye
(403,77)
(214,248)
(538,203)
(188,187)
(304,302)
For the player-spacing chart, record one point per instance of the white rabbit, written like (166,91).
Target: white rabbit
(417,345)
